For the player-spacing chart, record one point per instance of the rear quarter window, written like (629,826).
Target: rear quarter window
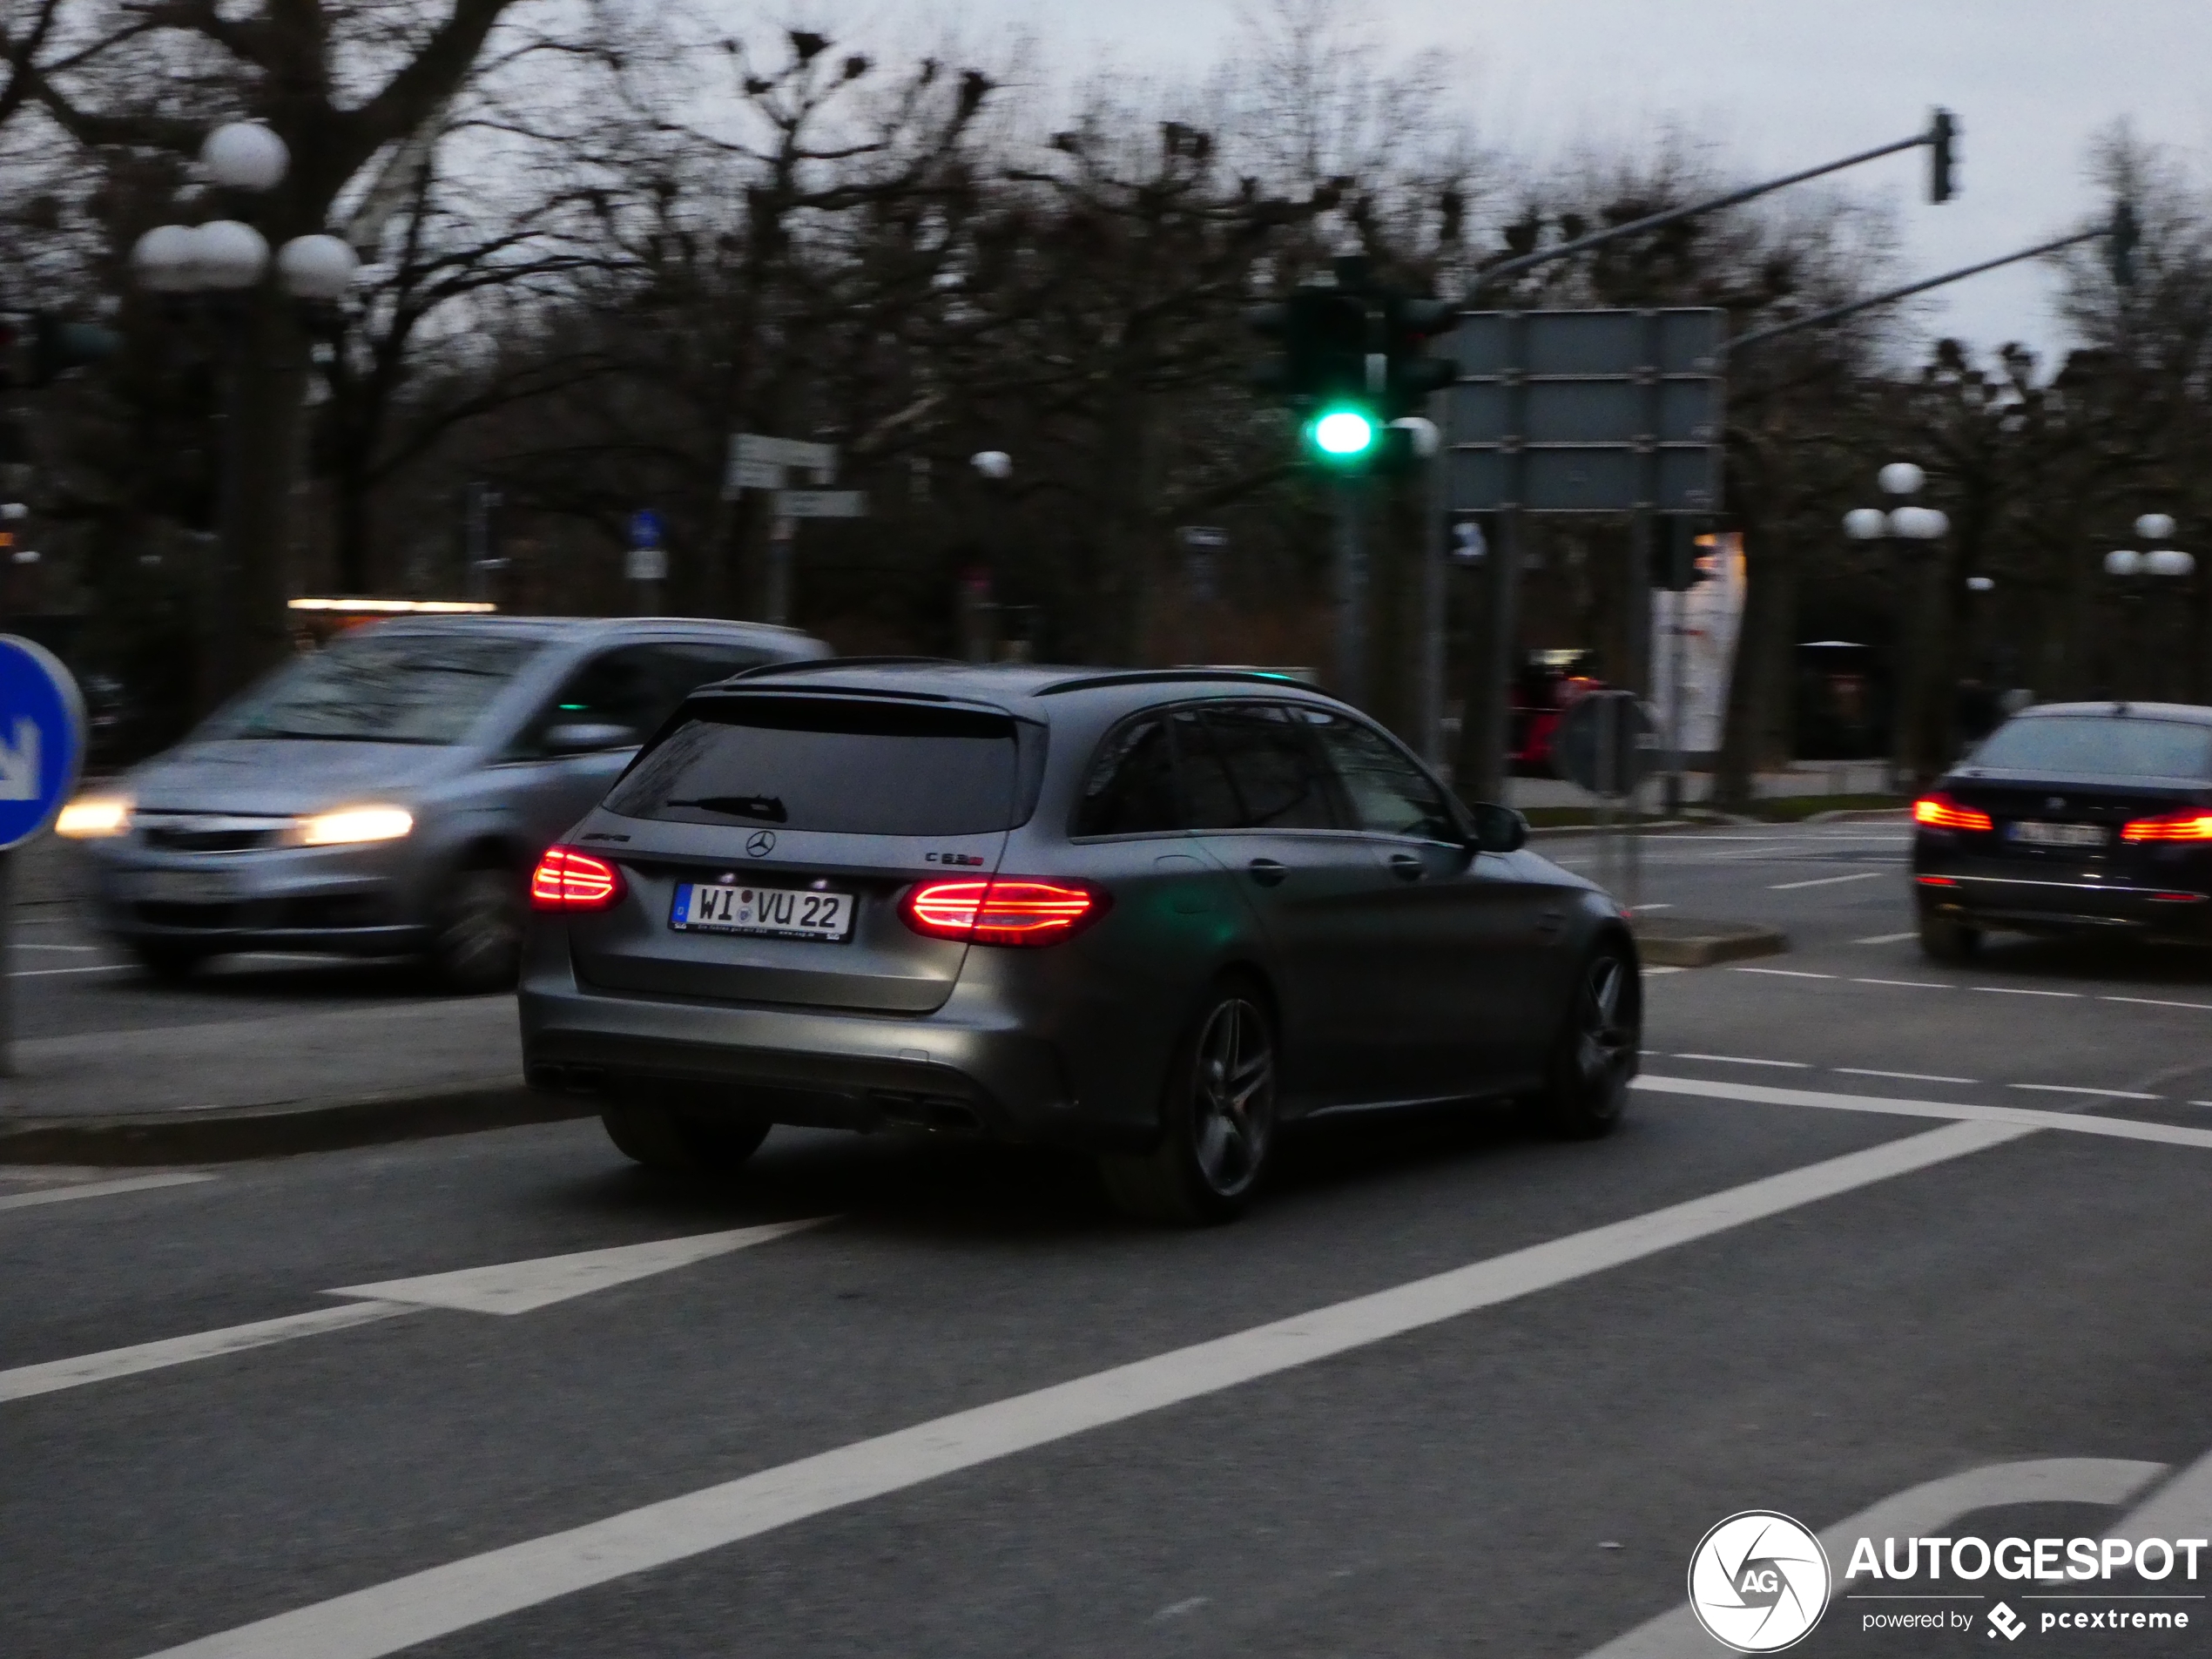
(849,765)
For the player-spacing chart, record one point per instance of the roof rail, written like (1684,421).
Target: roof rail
(810,665)
(1177,675)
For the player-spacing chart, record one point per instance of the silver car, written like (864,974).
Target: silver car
(389,794)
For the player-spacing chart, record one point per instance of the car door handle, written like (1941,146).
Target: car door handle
(1407,867)
(1267,872)
(1550,923)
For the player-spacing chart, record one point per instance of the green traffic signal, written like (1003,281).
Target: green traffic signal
(1343,434)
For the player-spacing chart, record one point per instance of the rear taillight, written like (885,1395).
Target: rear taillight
(569,880)
(1003,910)
(2174,826)
(1941,811)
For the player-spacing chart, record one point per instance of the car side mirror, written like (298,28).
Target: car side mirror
(1497,829)
(586,737)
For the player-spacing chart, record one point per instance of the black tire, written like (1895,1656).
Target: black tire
(1943,939)
(1587,1080)
(168,961)
(478,945)
(1217,1118)
(676,1142)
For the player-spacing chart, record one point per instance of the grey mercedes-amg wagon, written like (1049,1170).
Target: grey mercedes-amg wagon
(1152,915)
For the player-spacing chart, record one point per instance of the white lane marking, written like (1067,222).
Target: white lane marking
(101,1189)
(25,1381)
(1921,1511)
(1902,1076)
(2183,1504)
(421,1606)
(2118,1128)
(2158,1003)
(1908,984)
(1827,880)
(2072,1088)
(48,973)
(1887,939)
(511,1287)
(1784,972)
(1744,1059)
(84,949)
(1649,972)
(522,1287)
(1642,908)
(2022,990)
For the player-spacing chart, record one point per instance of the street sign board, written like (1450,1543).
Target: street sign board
(645,527)
(757,462)
(1605,741)
(41,739)
(646,564)
(821,504)
(1588,411)
(1203,537)
(753,475)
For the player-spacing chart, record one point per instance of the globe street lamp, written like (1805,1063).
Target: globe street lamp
(2138,575)
(222,263)
(1895,528)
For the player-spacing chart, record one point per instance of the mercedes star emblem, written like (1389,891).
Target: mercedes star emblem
(760,843)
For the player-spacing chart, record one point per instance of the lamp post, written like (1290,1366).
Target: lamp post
(224,263)
(2137,575)
(1917,631)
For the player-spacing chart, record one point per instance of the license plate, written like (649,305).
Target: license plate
(782,913)
(2036,835)
(186,886)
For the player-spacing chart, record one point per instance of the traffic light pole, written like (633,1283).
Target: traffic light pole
(1352,589)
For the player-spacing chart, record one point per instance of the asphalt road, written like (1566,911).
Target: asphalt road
(1873,1227)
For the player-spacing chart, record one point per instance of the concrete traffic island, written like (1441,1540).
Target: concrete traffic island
(1686,941)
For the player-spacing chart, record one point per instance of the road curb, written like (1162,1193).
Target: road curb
(1681,941)
(221,1133)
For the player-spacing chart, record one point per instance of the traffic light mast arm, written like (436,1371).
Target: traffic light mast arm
(1655,221)
(1837,314)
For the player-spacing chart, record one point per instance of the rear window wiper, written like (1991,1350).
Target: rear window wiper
(770,807)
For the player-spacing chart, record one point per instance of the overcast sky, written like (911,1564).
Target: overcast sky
(1781,84)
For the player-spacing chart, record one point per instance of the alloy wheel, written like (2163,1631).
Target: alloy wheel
(1233,1102)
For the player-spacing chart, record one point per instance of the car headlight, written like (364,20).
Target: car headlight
(345,825)
(91,817)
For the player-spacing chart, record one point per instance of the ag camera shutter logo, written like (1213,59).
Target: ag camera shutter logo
(1758,1582)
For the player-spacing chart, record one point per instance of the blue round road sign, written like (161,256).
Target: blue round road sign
(41,739)
(645,527)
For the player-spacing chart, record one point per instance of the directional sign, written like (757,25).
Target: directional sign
(757,462)
(821,504)
(646,528)
(41,739)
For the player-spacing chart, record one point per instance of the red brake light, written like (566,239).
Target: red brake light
(1003,910)
(2174,826)
(568,880)
(1941,811)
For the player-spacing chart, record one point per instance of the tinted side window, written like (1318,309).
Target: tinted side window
(1274,766)
(635,687)
(1210,799)
(1388,793)
(1130,789)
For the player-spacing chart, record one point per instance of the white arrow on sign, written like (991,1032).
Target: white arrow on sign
(821,504)
(19,764)
(510,1287)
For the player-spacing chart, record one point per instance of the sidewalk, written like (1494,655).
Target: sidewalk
(249,1088)
(1805,778)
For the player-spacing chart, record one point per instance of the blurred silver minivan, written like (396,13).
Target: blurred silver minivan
(387,794)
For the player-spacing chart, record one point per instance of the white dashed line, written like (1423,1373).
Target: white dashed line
(48,973)
(2075,1088)
(1887,939)
(75,948)
(1649,972)
(1907,984)
(1642,908)
(1785,973)
(1827,880)
(101,1189)
(2022,990)
(1744,1059)
(2158,1003)
(1902,1076)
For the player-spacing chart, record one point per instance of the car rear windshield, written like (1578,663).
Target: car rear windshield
(2103,746)
(856,766)
(379,688)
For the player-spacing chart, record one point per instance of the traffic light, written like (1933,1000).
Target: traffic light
(1943,157)
(1411,374)
(36,347)
(1354,357)
(2120,242)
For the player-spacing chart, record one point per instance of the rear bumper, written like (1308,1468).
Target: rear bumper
(968,1067)
(2024,904)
